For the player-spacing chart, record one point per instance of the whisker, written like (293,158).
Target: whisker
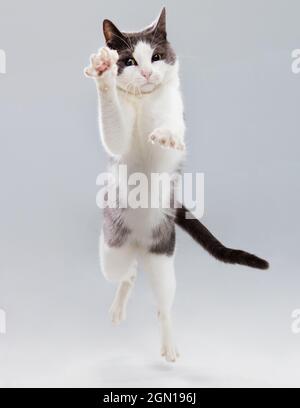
(127,90)
(139,90)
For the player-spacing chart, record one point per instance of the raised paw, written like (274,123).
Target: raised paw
(170,352)
(165,139)
(102,62)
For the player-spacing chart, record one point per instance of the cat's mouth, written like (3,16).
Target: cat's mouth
(138,90)
(148,87)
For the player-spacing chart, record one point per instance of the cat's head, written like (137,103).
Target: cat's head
(146,58)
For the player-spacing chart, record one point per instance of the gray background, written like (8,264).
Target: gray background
(242,108)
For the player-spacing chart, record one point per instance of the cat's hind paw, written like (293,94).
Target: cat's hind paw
(169,352)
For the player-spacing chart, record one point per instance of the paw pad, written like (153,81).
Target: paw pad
(165,139)
(103,61)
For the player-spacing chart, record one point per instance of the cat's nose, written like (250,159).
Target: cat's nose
(146,73)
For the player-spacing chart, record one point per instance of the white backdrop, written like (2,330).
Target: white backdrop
(242,111)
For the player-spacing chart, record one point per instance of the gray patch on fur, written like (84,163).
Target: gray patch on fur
(114,229)
(164,238)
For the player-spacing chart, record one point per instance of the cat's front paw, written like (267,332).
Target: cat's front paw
(164,138)
(103,66)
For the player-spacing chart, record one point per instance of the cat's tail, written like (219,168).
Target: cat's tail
(204,237)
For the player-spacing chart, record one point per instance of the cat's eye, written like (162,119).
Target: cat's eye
(156,57)
(130,61)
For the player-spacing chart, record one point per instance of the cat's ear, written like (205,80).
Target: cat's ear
(160,23)
(111,33)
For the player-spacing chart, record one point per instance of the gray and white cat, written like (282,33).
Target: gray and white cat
(142,127)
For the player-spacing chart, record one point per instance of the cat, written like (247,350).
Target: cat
(142,126)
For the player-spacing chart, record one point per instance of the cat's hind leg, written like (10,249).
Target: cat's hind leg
(119,266)
(118,308)
(160,269)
